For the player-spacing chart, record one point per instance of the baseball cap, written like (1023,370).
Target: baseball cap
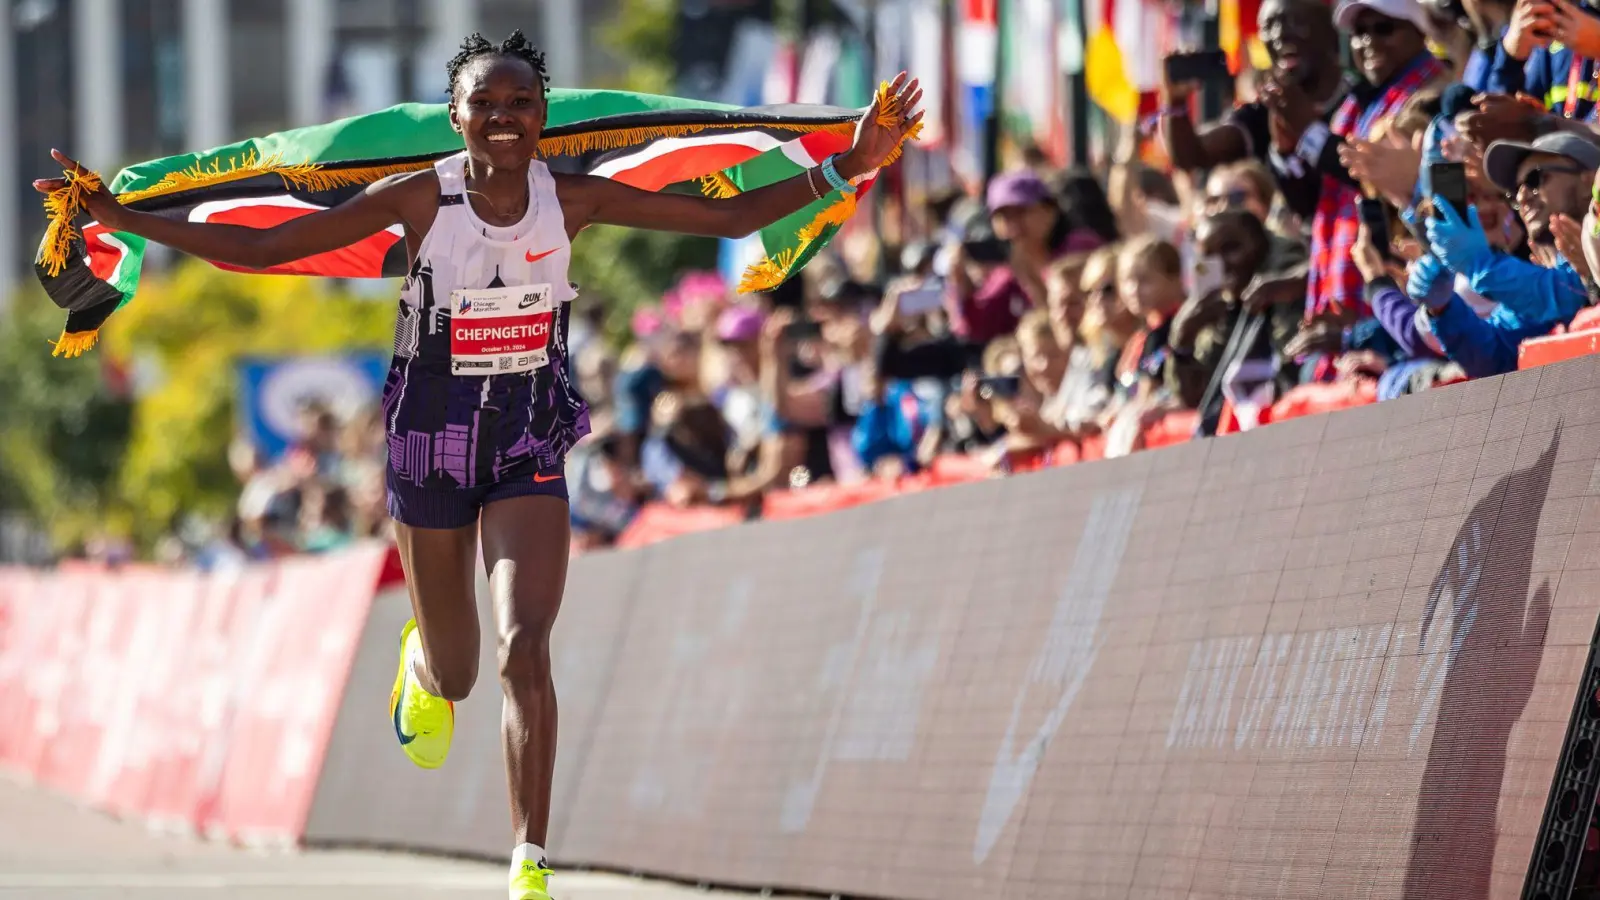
(1405,10)
(737,324)
(1016,189)
(1503,158)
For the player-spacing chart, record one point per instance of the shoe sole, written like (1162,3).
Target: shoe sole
(394,701)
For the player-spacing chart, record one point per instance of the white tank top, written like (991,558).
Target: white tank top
(462,253)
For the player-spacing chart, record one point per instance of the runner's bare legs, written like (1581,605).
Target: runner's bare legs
(444,602)
(526,543)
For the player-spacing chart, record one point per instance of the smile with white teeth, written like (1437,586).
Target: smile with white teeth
(504,138)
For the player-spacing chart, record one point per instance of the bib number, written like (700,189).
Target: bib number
(500,331)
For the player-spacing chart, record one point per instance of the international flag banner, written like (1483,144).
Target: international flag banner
(646,141)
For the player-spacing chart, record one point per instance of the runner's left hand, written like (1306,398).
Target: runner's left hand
(874,140)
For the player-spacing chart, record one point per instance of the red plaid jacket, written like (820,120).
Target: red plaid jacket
(1335,283)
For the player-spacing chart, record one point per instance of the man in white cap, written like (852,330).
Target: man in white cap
(1389,49)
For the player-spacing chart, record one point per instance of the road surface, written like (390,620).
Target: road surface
(53,850)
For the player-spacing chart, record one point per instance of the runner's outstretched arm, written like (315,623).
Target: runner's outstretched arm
(374,209)
(590,200)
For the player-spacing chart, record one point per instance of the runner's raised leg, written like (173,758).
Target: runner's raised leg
(439,647)
(526,542)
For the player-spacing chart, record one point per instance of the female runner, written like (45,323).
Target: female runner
(479,410)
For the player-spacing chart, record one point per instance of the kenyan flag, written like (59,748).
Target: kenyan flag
(646,141)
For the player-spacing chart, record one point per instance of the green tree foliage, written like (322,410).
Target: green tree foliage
(642,33)
(62,429)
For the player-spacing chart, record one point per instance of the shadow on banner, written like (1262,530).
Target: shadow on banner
(1479,603)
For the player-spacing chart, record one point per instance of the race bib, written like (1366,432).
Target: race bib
(500,331)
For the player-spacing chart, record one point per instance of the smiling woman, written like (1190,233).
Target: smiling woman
(479,408)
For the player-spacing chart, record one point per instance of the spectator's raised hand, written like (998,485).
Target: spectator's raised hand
(1458,243)
(1390,165)
(772,333)
(1532,26)
(887,317)
(1569,243)
(1175,93)
(1497,117)
(1275,289)
(1368,258)
(1575,28)
(1360,364)
(1323,334)
(1200,310)
(1291,108)
(1424,275)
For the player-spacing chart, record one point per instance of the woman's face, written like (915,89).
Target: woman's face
(1042,360)
(499,109)
(1146,293)
(1100,301)
(1025,224)
(1232,190)
(1066,301)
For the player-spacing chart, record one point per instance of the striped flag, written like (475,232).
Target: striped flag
(646,141)
(977,40)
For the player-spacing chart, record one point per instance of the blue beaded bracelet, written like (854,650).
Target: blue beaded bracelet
(835,180)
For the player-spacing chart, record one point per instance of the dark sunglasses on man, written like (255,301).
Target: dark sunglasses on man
(1377,28)
(1537,175)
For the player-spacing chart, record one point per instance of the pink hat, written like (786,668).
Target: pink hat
(739,323)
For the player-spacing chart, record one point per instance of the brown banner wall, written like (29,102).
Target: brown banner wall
(1331,658)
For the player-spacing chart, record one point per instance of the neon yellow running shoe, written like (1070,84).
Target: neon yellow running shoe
(423,723)
(527,881)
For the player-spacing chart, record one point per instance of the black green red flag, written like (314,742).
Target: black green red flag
(646,141)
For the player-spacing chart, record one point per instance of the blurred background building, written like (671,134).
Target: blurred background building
(116,81)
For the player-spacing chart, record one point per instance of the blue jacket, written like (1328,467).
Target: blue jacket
(1482,347)
(1481,66)
(1533,294)
(1545,76)
(890,427)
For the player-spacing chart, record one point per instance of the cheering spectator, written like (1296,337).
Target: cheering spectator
(1026,216)
(1549,178)
(1150,286)
(1228,340)
(984,298)
(1389,50)
(1304,48)
(669,358)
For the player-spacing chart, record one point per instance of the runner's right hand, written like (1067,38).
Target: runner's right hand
(100,204)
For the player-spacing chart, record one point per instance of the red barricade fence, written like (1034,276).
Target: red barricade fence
(194,701)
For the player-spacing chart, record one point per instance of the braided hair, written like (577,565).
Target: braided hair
(516,46)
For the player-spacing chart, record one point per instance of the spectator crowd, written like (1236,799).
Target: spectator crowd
(1362,225)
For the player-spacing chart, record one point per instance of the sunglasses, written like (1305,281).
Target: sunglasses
(1232,199)
(1536,176)
(1378,28)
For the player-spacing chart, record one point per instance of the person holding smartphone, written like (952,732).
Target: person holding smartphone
(1388,47)
(1549,178)
(1304,47)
